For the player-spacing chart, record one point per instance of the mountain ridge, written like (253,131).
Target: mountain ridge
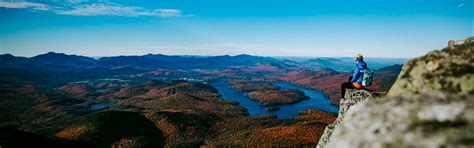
(161,61)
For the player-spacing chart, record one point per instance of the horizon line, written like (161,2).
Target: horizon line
(202,55)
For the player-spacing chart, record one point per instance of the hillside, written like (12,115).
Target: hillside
(430,105)
(122,129)
(150,113)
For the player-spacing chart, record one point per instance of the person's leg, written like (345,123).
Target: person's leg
(343,88)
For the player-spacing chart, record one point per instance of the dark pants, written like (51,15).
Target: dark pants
(346,85)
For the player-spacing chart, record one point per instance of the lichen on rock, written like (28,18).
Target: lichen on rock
(449,70)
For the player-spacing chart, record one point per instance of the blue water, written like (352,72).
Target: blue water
(101,105)
(317,101)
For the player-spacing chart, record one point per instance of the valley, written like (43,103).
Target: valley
(150,101)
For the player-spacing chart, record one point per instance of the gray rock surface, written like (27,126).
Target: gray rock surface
(430,105)
(354,97)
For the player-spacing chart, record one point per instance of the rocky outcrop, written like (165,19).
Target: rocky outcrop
(430,105)
(354,97)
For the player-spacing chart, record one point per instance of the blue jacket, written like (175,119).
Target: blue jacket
(358,75)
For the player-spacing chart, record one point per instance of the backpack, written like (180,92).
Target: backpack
(368,75)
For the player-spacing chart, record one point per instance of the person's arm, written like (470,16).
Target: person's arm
(355,75)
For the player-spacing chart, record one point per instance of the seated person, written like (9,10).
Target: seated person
(356,78)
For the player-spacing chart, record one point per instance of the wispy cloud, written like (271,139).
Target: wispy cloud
(460,5)
(95,9)
(25,5)
(117,10)
(168,12)
(76,1)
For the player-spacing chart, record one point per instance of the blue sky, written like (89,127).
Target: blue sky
(376,28)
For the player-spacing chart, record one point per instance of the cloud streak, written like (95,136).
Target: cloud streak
(460,5)
(117,10)
(25,5)
(95,9)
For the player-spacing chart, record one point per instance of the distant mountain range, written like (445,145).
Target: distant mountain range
(341,64)
(160,61)
(149,61)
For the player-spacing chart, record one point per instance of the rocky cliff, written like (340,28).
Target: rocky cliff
(430,105)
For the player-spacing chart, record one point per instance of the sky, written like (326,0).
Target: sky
(309,28)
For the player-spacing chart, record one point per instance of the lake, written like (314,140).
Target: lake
(317,101)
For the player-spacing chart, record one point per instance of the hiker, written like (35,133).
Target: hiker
(355,81)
